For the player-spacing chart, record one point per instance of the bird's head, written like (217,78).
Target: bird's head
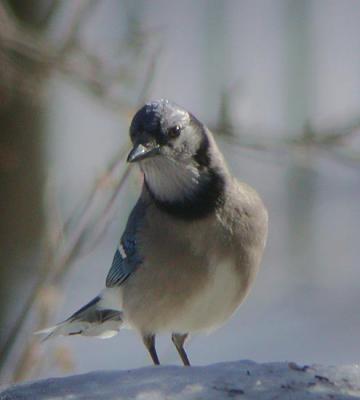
(178,156)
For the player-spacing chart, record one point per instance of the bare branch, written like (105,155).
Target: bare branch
(325,140)
(82,10)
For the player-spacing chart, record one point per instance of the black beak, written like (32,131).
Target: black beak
(140,152)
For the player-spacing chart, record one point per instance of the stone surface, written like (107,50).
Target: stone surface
(236,380)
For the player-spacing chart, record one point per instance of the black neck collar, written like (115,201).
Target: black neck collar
(204,201)
(210,191)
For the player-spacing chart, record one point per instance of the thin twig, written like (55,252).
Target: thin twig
(81,13)
(331,141)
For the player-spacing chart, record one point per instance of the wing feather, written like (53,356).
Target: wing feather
(127,257)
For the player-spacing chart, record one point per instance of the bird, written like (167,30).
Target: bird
(193,242)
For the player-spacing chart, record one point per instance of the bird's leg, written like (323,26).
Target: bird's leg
(149,342)
(178,340)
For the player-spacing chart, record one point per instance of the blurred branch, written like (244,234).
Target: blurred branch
(70,59)
(334,141)
(49,13)
(82,11)
(87,70)
(58,258)
(83,230)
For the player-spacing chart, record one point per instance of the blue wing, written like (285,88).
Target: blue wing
(127,258)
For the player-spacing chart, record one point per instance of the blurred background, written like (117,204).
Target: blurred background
(277,81)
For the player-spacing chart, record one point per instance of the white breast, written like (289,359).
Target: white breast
(213,305)
(170,180)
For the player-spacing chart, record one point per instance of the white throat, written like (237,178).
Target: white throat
(170,180)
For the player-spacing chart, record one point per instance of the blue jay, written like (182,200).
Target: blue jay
(193,242)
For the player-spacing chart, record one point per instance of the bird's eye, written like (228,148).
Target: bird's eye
(174,131)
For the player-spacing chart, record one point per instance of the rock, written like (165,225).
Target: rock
(236,380)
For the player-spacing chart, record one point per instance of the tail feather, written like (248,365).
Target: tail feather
(90,320)
(48,332)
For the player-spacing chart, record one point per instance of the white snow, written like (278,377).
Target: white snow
(236,380)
